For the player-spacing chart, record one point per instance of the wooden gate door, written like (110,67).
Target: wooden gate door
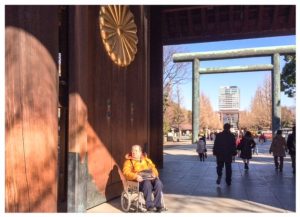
(118,109)
(108,106)
(31,48)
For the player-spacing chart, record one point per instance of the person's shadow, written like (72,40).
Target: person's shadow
(114,188)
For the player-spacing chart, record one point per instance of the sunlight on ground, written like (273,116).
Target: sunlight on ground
(197,204)
(179,203)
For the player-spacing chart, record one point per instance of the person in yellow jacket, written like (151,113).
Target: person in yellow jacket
(138,167)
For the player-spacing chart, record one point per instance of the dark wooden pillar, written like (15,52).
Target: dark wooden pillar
(31,50)
(156,87)
(78,111)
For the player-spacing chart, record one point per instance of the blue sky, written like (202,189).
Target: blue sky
(246,81)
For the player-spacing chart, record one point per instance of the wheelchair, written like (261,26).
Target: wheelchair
(133,199)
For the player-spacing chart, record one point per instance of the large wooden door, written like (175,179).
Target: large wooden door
(108,107)
(31,48)
(119,114)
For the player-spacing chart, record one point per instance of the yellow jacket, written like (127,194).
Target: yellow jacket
(132,166)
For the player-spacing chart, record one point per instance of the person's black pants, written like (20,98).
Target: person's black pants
(201,156)
(278,165)
(149,186)
(293,158)
(220,165)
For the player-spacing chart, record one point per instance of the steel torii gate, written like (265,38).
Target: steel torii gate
(273,52)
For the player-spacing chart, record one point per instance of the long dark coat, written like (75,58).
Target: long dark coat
(291,144)
(246,145)
(224,146)
(278,146)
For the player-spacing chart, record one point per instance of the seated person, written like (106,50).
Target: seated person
(137,166)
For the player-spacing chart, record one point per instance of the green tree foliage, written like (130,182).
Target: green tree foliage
(288,76)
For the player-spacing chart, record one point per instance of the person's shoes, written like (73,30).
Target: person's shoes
(159,209)
(280,170)
(246,166)
(228,183)
(150,209)
(218,180)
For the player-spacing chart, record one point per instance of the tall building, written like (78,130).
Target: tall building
(229,105)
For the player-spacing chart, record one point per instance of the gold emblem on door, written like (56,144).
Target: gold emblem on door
(119,33)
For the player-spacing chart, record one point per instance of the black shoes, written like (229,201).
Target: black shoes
(150,209)
(246,166)
(219,181)
(159,209)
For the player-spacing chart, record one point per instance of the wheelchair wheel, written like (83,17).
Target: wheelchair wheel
(125,201)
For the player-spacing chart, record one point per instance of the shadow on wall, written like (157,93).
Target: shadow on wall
(114,174)
(30,124)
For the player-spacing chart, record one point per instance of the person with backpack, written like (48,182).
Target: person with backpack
(246,145)
(201,148)
(278,147)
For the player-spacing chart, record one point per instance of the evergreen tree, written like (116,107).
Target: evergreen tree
(288,76)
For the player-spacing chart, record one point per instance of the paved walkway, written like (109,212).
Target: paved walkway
(190,185)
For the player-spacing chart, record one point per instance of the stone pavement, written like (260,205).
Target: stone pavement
(190,185)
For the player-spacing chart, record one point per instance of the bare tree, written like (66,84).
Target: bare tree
(174,73)
(261,105)
(245,120)
(178,112)
(288,117)
(208,118)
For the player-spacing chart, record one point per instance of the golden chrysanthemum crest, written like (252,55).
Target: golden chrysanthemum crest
(119,33)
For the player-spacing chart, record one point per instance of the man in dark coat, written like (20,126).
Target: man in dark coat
(291,141)
(224,149)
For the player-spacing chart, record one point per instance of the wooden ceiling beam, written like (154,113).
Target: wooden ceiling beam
(260,17)
(203,19)
(245,18)
(184,8)
(231,20)
(177,25)
(197,19)
(292,16)
(190,23)
(275,15)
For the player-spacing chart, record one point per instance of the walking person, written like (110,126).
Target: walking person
(291,144)
(224,149)
(255,148)
(201,148)
(278,147)
(262,138)
(246,145)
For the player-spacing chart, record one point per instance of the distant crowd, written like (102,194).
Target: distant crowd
(228,145)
